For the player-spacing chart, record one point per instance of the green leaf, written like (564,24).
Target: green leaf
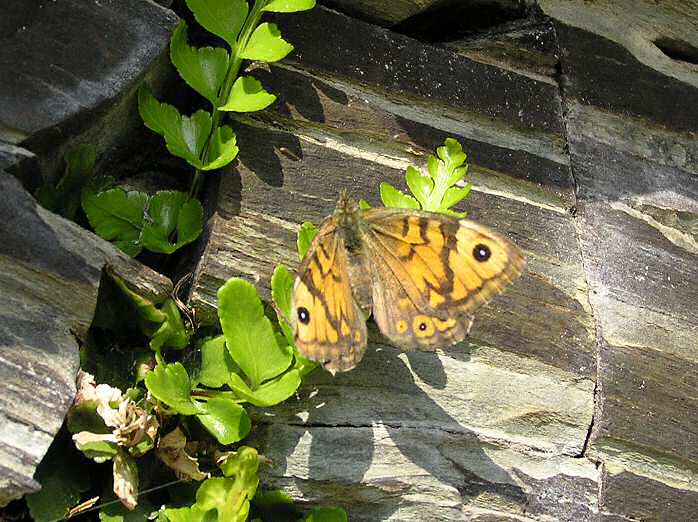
(364,205)
(306,234)
(189,139)
(145,308)
(184,514)
(231,497)
(226,420)
(455,195)
(170,384)
(171,333)
(247,95)
(267,499)
(64,198)
(282,295)
(249,334)
(117,216)
(161,118)
(289,6)
(327,514)
(216,363)
(271,392)
(220,494)
(184,136)
(266,44)
(117,512)
(445,170)
(243,464)
(392,197)
(62,476)
(451,153)
(94,447)
(223,18)
(421,186)
(222,148)
(170,211)
(203,69)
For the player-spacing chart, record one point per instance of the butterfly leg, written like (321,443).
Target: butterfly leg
(280,314)
(470,325)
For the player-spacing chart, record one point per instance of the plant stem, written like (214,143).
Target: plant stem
(231,74)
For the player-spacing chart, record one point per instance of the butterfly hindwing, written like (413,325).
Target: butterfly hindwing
(431,271)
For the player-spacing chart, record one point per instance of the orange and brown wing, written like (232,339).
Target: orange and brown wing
(329,326)
(431,271)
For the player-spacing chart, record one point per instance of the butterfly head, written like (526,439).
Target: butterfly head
(346,205)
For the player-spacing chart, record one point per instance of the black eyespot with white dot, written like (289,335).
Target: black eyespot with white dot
(481,253)
(303,315)
(422,326)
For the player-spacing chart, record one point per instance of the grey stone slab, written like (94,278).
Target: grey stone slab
(50,270)
(59,58)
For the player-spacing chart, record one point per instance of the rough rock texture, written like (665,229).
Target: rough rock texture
(575,397)
(50,280)
(634,155)
(494,428)
(62,86)
(424,13)
(59,86)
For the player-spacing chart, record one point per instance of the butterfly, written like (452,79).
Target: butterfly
(421,274)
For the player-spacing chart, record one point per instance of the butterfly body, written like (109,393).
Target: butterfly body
(421,274)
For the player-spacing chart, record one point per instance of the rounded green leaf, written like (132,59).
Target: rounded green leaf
(421,186)
(306,234)
(117,215)
(213,493)
(170,384)
(161,118)
(249,334)
(216,363)
(289,6)
(269,393)
(202,68)
(226,420)
(171,211)
(247,95)
(222,148)
(184,514)
(392,197)
(223,18)
(266,44)
(282,292)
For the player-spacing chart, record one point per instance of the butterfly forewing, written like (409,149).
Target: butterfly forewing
(431,271)
(329,326)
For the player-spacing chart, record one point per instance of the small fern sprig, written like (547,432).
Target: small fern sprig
(435,191)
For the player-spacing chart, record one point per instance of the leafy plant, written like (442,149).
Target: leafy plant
(134,220)
(253,361)
(201,139)
(64,197)
(435,191)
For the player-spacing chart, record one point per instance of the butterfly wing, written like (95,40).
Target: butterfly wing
(431,271)
(329,326)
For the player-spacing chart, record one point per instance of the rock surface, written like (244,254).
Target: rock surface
(495,427)
(573,400)
(59,86)
(50,281)
(63,86)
